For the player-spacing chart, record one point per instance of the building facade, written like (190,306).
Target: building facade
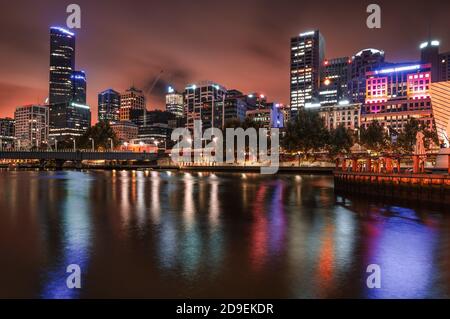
(204,102)
(79,87)
(69,120)
(334,81)
(125,131)
(345,114)
(175,103)
(132,105)
(62,64)
(31,126)
(109,106)
(440,99)
(7,132)
(307,55)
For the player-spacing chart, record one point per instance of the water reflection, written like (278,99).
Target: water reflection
(173,234)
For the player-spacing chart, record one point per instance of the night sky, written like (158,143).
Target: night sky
(242,44)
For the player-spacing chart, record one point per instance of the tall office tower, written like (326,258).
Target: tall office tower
(444,67)
(108,106)
(62,64)
(6,133)
(132,106)
(79,87)
(204,101)
(362,62)
(32,126)
(175,103)
(307,54)
(429,53)
(333,80)
(237,104)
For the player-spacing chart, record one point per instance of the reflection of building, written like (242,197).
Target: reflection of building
(125,130)
(108,106)
(31,126)
(175,103)
(344,114)
(307,54)
(204,101)
(62,64)
(6,132)
(362,62)
(132,105)
(396,94)
(440,99)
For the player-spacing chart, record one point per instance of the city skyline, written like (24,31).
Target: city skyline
(253,62)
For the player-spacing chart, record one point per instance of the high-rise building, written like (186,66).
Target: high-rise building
(396,94)
(109,106)
(69,119)
(307,55)
(175,102)
(62,64)
(429,54)
(444,67)
(204,102)
(125,131)
(31,126)
(237,104)
(6,132)
(132,106)
(362,62)
(334,80)
(79,87)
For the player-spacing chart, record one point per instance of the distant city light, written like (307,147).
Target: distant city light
(327,82)
(63,31)
(304,34)
(170,89)
(81,106)
(399,69)
(344,102)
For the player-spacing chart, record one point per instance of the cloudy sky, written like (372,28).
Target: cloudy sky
(241,44)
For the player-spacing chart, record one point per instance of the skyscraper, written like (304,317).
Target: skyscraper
(174,103)
(429,53)
(362,62)
(108,106)
(62,64)
(204,101)
(79,87)
(333,80)
(307,54)
(132,106)
(444,67)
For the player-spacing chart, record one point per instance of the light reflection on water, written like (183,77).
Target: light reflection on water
(171,234)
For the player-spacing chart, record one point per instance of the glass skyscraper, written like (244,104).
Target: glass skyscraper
(109,106)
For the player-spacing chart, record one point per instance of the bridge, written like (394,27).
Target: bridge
(59,157)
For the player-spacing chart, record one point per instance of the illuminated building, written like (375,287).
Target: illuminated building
(62,64)
(108,106)
(342,114)
(237,104)
(429,54)
(307,54)
(31,126)
(204,102)
(362,62)
(396,94)
(132,106)
(272,116)
(440,99)
(79,88)
(444,68)
(125,130)
(6,132)
(155,133)
(333,80)
(69,119)
(175,103)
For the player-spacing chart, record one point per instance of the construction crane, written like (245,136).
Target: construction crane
(149,92)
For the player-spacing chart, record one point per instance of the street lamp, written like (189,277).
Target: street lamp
(111,140)
(93,146)
(74,144)
(56,144)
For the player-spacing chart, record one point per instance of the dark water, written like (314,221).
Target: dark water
(169,234)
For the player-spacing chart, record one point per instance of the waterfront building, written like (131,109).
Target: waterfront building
(362,62)
(7,128)
(175,103)
(62,65)
(132,106)
(334,80)
(343,114)
(204,102)
(125,131)
(31,126)
(307,55)
(440,101)
(69,120)
(108,106)
(396,94)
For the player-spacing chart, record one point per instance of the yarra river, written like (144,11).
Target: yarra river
(169,234)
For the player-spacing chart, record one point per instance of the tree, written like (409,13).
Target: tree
(407,138)
(374,137)
(340,141)
(307,133)
(101,133)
